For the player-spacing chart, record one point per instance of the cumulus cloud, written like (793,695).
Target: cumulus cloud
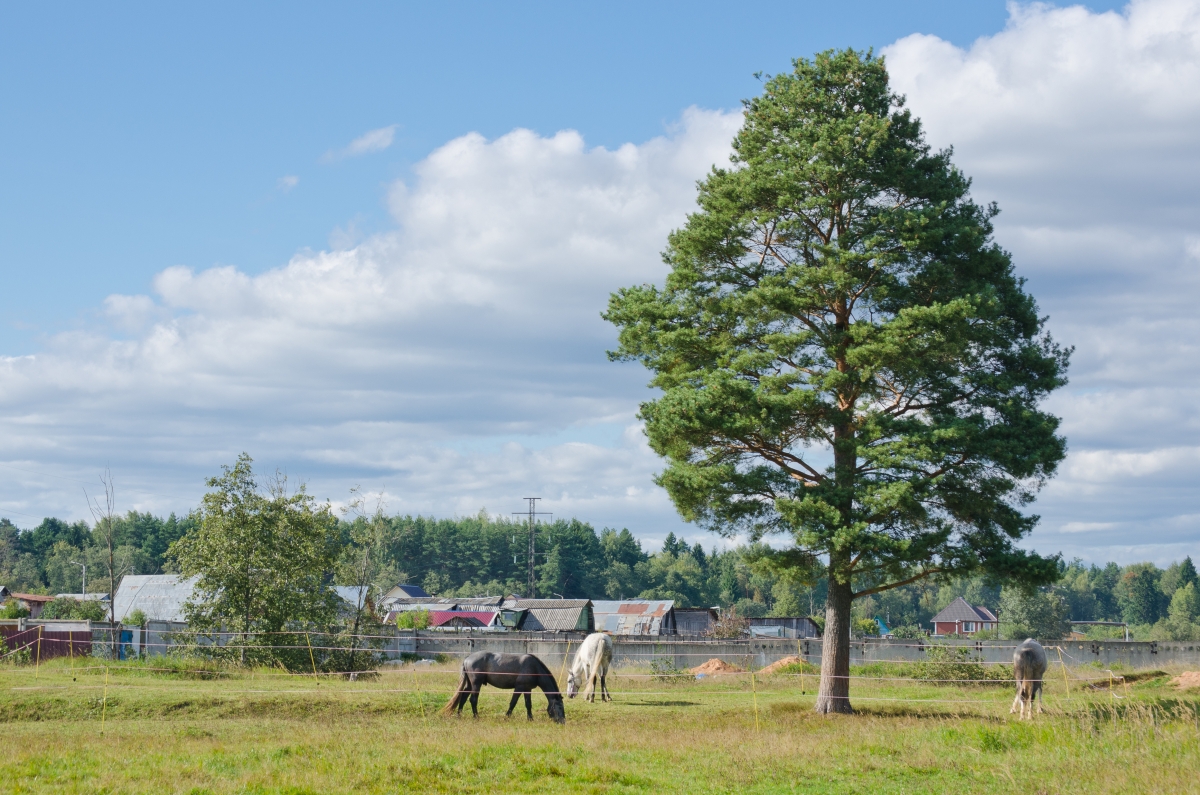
(476,318)
(457,361)
(1085,128)
(367,143)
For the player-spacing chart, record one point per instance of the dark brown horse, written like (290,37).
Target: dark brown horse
(520,673)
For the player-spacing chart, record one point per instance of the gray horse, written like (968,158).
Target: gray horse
(520,673)
(1029,664)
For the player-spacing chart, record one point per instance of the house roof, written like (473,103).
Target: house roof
(406,590)
(32,597)
(555,615)
(634,616)
(959,610)
(481,618)
(159,596)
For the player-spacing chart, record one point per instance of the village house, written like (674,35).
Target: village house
(960,618)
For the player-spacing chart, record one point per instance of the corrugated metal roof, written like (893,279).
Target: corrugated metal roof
(351,594)
(959,610)
(565,615)
(159,596)
(406,590)
(635,616)
(526,604)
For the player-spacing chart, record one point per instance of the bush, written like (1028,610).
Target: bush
(947,665)
(413,619)
(908,631)
(136,619)
(665,671)
(12,609)
(66,607)
(865,626)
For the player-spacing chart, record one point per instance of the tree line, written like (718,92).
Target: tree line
(288,545)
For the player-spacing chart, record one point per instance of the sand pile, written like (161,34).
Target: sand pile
(1187,679)
(717,666)
(779,665)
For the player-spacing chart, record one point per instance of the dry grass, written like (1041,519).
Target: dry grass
(268,733)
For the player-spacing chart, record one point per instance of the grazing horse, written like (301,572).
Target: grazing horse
(591,663)
(1029,663)
(520,673)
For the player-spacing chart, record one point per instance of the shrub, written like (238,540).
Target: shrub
(413,619)
(66,607)
(665,671)
(908,631)
(12,609)
(136,619)
(945,664)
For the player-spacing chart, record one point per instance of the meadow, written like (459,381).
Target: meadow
(181,729)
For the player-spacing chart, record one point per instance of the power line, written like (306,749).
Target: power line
(532,513)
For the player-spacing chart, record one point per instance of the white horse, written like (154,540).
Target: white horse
(591,663)
(1029,664)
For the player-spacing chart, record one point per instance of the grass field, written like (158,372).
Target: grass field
(266,732)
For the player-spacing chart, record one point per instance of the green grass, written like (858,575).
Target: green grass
(227,731)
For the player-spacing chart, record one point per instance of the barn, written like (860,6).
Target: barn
(636,616)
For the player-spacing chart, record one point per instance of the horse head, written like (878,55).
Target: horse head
(555,709)
(572,687)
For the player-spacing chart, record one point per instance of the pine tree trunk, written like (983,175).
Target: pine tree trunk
(834,693)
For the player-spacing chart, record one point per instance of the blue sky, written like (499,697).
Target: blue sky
(140,136)
(369,244)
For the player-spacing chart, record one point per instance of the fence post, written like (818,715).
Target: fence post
(754,696)
(37,665)
(311,658)
(1066,683)
(104,703)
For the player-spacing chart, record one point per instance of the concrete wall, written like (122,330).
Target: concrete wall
(639,650)
(758,652)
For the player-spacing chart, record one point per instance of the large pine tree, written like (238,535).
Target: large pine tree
(844,354)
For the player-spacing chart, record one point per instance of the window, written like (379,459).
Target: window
(968,626)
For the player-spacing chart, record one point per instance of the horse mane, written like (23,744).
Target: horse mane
(544,670)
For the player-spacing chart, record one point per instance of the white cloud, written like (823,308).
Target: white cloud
(457,361)
(288,182)
(367,143)
(388,361)
(1085,128)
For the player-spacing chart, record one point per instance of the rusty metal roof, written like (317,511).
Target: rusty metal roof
(635,616)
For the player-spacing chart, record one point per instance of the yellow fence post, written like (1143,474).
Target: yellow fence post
(38,664)
(104,702)
(566,656)
(1066,683)
(754,696)
(311,658)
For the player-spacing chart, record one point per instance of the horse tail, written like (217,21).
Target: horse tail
(460,695)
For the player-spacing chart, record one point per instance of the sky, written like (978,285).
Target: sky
(369,244)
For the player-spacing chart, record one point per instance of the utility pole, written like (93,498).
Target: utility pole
(532,513)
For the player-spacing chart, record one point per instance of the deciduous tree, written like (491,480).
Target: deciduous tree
(263,557)
(845,356)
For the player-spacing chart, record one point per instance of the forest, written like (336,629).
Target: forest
(485,555)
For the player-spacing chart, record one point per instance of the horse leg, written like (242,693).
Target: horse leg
(512,704)
(529,704)
(475,702)
(604,694)
(1038,695)
(1016,701)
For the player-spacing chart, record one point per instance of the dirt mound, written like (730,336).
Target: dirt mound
(779,665)
(1187,679)
(717,666)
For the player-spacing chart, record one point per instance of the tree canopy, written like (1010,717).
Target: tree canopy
(844,354)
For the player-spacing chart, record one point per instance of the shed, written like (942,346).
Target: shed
(960,618)
(636,616)
(695,621)
(160,596)
(784,627)
(33,602)
(555,615)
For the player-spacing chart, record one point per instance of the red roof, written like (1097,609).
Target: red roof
(32,597)
(438,618)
